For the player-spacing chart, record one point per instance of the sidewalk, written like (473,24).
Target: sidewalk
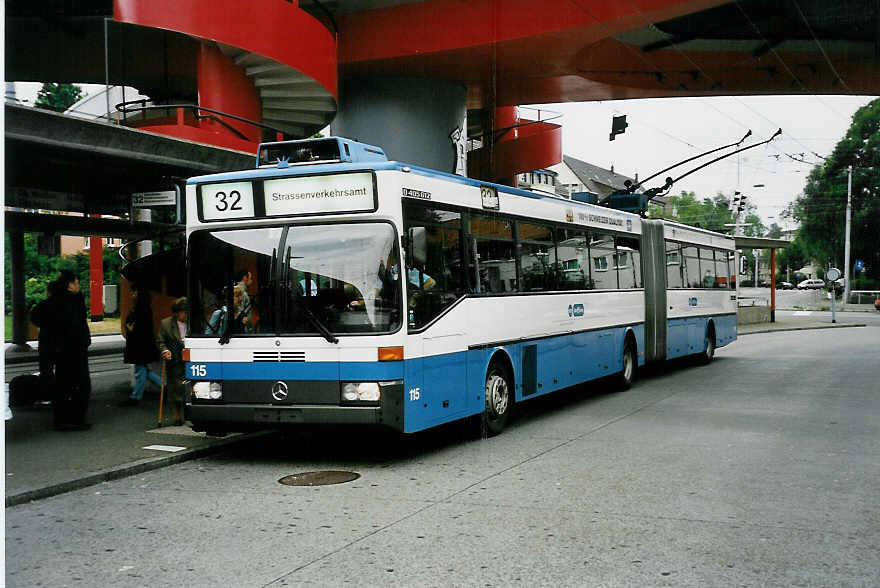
(42,462)
(791,325)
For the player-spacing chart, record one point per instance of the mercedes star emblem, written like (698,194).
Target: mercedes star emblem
(279,391)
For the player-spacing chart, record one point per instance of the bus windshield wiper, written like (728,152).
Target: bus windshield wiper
(322,328)
(318,324)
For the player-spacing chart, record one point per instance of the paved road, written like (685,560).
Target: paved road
(760,469)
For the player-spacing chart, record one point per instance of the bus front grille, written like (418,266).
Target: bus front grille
(276,356)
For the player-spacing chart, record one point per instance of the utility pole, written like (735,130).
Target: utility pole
(847,270)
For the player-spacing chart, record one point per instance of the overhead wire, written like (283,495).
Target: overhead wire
(655,68)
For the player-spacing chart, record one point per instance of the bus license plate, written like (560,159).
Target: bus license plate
(274,415)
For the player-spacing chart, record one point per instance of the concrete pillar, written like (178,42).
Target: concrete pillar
(415,120)
(19,310)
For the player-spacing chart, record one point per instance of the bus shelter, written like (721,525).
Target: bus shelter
(743,242)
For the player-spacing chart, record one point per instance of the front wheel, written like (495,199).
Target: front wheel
(627,373)
(499,400)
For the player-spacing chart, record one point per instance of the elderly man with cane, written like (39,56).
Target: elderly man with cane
(172,331)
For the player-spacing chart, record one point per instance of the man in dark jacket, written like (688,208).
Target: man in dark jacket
(64,343)
(172,331)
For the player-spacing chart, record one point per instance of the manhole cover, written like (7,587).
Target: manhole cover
(319,478)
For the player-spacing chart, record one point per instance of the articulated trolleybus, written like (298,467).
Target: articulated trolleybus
(330,285)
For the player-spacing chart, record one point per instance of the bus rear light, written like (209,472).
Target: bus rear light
(390,353)
(186,354)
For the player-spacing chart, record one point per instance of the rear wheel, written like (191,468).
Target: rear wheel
(627,373)
(499,399)
(708,347)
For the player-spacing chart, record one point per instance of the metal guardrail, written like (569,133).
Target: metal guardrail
(863,296)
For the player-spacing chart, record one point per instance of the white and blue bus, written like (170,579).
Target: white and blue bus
(330,285)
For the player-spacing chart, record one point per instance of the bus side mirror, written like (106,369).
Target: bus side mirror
(418,245)
(742,265)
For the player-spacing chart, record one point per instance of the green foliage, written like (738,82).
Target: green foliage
(709,213)
(58,97)
(40,269)
(821,210)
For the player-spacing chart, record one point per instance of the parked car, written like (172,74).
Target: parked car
(784,286)
(811,284)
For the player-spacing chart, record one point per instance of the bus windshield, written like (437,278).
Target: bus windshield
(295,280)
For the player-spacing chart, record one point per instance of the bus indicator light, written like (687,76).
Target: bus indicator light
(390,353)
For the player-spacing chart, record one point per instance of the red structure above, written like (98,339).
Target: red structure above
(280,62)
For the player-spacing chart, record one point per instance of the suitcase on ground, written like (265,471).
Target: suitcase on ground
(24,390)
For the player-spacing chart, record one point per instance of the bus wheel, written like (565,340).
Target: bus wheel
(628,371)
(499,399)
(708,346)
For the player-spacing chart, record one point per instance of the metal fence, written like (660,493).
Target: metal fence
(863,296)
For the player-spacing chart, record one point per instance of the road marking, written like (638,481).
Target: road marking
(168,448)
(802,313)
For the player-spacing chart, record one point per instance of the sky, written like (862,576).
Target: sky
(662,132)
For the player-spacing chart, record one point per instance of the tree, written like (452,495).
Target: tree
(821,209)
(41,269)
(713,214)
(58,97)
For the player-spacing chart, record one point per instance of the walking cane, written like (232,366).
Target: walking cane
(161,393)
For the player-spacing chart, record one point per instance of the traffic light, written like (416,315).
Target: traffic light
(618,126)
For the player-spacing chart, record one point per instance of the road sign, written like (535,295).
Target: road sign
(860,265)
(151,199)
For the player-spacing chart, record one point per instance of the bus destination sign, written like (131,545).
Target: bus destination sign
(320,194)
(229,200)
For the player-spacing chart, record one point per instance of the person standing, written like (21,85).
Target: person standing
(140,345)
(41,317)
(64,331)
(243,280)
(172,331)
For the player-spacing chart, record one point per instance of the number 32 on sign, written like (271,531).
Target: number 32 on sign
(228,200)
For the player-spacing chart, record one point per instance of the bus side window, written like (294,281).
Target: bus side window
(432,287)
(690,258)
(673,265)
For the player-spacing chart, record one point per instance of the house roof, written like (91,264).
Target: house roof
(590,174)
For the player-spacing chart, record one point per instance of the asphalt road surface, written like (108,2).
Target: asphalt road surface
(760,469)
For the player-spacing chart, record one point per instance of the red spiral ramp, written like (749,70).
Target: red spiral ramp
(521,145)
(265,61)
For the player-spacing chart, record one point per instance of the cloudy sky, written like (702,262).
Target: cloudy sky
(665,131)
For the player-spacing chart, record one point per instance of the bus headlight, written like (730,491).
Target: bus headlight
(361,392)
(207,390)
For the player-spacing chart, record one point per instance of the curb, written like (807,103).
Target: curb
(807,328)
(126,470)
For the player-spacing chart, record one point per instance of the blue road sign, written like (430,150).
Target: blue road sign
(860,265)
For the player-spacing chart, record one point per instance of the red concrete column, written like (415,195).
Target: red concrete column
(96,278)
(772,285)
(224,86)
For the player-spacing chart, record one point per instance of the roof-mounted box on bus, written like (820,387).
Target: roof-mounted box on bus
(317,151)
